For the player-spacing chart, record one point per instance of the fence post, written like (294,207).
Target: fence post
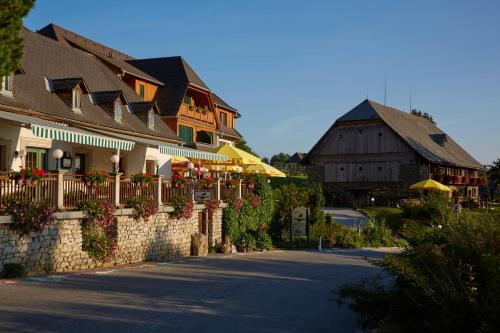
(239,188)
(60,189)
(218,189)
(160,181)
(117,189)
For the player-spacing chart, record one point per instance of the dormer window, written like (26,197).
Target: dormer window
(118,110)
(76,99)
(223,118)
(7,85)
(151,119)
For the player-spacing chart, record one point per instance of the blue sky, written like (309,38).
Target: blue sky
(293,67)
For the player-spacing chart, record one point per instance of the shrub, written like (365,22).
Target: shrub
(446,280)
(230,224)
(182,207)
(143,207)
(263,240)
(316,201)
(250,242)
(97,229)
(13,271)
(28,216)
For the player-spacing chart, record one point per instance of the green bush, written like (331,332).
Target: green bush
(13,271)
(264,241)
(250,242)
(446,280)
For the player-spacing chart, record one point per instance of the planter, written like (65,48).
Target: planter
(19,181)
(28,182)
(466,180)
(457,180)
(484,181)
(90,183)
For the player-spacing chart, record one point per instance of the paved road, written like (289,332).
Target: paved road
(346,216)
(278,291)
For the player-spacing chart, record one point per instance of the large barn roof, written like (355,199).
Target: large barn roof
(421,134)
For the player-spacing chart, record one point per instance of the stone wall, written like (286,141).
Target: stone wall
(59,247)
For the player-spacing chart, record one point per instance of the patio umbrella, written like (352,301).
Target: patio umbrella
(263,169)
(430,184)
(237,155)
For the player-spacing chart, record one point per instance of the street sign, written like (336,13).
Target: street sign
(201,195)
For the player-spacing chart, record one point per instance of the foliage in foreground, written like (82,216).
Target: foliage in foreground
(12,271)
(143,206)
(446,280)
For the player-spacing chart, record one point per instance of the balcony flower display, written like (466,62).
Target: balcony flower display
(142,179)
(28,176)
(207,182)
(231,183)
(250,182)
(178,181)
(466,180)
(457,180)
(93,177)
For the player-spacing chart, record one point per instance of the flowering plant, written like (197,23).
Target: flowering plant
(178,180)
(250,180)
(97,225)
(94,176)
(28,216)
(263,228)
(143,207)
(182,207)
(205,182)
(31,173)
(142,178)
(254,201)
(211,206)
(237,204)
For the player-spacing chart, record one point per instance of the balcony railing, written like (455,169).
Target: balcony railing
(65,191)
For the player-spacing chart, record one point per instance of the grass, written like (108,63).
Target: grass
(297,180)
(391,216)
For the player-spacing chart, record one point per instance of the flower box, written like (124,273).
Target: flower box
(466,180)
(457,180)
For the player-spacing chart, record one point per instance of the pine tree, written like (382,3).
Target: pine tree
(11,23)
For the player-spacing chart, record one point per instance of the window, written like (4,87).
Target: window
(341,137)
(151,167)
(118,111)
(80,164)
(76,101)
(187,100)
(379,133)
(341,168)
(151,119)
(223,118)
(141,90)
(204,137)
(7,87)
(360,168)
(186,134)
(36,158)
(379,168)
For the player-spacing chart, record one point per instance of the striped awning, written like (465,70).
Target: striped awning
(76,135)
(171,149)
(191,153)
(61,132)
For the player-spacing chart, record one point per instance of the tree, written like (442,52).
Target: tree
(265,160)
(280,159)
(316,201)
(11,43)
(242,144)
(493,173)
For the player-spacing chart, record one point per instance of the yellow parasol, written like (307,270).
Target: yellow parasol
(430,184)
(236,155)
(263,169)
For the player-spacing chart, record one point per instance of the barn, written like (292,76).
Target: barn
(375,151)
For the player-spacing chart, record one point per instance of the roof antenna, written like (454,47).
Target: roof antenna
(410,101)
(385,90)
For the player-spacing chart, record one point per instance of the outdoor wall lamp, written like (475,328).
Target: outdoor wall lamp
(57,154)
(190,167)
(115,159)
(217,170)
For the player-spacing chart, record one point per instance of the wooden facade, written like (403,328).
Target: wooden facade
(358,158)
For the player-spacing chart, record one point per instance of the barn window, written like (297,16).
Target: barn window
(379,133)
(379,168)
(360,169)
(360,131)
(341,137)
(341,168)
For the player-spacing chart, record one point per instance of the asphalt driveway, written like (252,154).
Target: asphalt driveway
(278,291)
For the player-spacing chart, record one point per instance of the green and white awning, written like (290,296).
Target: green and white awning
(191,153)
(60,132)
(76,135)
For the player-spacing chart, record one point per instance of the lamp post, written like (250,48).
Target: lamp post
(217,169)
(115,159)
(191,167)
(57,154)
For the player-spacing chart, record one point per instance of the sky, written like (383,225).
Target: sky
(292,68)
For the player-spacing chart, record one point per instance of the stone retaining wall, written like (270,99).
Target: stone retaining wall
(59,247)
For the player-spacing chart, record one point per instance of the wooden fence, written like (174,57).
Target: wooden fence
(76,191)
(43,190)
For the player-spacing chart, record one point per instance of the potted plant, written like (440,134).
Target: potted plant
(37,174)
(31,175)
(94,177)
(17,177)
(457,180)
(178,181)
(142,179)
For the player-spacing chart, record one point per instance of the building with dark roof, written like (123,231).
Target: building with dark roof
(378,151)
(65,98)
(200,118)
